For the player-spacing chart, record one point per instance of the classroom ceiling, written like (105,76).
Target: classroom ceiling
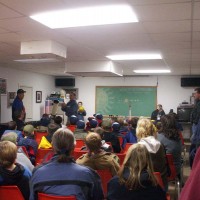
(171,27)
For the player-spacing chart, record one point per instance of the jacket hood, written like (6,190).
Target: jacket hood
(151,144)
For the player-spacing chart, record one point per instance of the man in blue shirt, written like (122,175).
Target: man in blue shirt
(18,105)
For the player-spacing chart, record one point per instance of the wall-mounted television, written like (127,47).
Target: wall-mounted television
(184,114)
(64,82)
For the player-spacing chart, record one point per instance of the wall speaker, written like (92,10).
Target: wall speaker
(64,82)
(190,82)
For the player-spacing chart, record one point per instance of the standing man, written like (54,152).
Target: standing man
(158,113)
(18,106)
(194,118)
(71,107)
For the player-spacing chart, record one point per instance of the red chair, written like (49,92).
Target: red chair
(127,147)
(79,144)
(39,135)
(121,157)
(105,175)
(41,153)
(10,192)
(173,176)
(42,196)
(120,140)
(24,150)
(78,153)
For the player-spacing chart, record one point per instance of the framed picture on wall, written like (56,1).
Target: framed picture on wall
(38,96)
(3,86)
(10,97)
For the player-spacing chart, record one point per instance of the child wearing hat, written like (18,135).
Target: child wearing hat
(72,123)
(80,132)
(29,142)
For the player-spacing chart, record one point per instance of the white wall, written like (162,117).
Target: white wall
(169,92)
(16,78)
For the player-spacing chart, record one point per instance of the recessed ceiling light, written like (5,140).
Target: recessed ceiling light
(38,60)
(152,71)
(88,16)
(135,57)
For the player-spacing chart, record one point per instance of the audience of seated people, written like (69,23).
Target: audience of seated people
(146,133)
(99,156)
(61,176)
(135,180)
(96,158)
(80,132)
(12,173)
(130,136)
(170,139)
(108,136)
(45,142)
(21,155)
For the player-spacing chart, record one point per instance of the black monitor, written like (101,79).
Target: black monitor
(184,114)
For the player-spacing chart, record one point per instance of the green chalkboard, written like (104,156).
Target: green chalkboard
(125,101)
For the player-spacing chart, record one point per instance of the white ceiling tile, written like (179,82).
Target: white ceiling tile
(164,12)
(197,10)
(196,25)
(6,12)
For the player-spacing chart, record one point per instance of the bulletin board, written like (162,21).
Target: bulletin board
(119,100)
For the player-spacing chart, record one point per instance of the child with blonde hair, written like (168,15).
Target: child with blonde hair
(135,179)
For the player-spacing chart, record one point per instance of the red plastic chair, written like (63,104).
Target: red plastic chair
(39,135)
(24,150)
(79,143)
(78,153)
(173,176)
(42,196)
(105,175)
(121,157)
(127,147)
(41,153)
(10,192)
(120,140)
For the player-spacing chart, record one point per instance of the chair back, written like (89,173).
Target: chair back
(78,153)
(121,157)
(159,179)
(127,147)
(170,161)
(120,140)
(79,143)
(41,153)
(105,175)
(42,196)
(38,136)
(10,192)
(24,150)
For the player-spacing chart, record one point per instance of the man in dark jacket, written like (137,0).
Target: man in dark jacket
(71,107)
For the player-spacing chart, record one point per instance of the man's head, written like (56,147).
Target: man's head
(159,107)
(197,93)
(72,96)
(20,93)
(93,142)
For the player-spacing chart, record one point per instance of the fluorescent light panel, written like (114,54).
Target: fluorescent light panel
(135,57)
(37,60)
(152,71)
(88,16)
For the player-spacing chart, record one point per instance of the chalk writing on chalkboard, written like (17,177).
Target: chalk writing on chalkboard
(126,101)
